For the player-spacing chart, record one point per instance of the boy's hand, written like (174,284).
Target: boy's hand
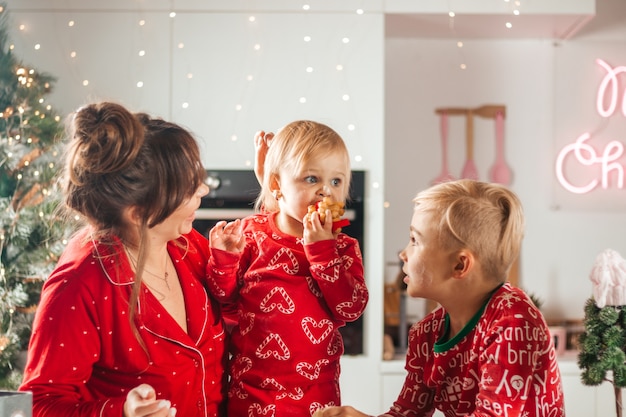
(344,411)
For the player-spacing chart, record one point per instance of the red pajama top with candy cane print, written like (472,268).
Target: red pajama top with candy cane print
(291,300)
(502,364)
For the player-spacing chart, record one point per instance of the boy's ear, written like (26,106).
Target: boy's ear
(464,263)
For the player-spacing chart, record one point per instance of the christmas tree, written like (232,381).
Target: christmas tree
(32,231)
(603,343)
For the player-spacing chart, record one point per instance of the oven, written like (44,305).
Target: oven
(232,195)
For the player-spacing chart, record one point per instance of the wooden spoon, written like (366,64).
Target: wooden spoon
(469,169)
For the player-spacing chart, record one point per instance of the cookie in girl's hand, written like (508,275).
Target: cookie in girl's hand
(336,210)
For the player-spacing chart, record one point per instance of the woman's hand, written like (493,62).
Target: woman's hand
(142,401)
(262,142)
(227,236)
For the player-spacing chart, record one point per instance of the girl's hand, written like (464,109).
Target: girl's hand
(314,230)
(142,401)
(262,142)
(227,236)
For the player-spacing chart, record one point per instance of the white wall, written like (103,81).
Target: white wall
(562,239)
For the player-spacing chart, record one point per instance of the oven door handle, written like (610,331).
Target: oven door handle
(222,213)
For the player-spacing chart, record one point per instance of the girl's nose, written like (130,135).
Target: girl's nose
(325,191)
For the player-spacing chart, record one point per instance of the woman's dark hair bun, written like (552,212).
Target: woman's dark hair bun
(107,138)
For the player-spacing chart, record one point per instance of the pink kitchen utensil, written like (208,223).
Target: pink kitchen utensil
(445,174)
(469,169)
(500,171)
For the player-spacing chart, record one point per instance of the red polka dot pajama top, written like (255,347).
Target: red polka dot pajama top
(83,355)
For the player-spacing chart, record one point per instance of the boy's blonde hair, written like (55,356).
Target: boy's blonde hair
(483,217)
(293,147)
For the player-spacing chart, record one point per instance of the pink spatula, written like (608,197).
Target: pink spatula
(445,174)
(469,169)
(500,171)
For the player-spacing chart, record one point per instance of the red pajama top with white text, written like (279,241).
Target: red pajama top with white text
(503,364)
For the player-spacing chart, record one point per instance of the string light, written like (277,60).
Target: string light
(254,23)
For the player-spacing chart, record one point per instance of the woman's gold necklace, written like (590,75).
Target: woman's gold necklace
(162,278)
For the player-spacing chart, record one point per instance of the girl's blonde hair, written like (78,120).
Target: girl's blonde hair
(483,217)
(293,147)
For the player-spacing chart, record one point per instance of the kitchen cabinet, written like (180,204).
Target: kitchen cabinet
(580,400)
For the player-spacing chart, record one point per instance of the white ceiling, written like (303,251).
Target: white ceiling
(484,26)
(610,14)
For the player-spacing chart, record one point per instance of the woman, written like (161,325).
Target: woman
(124,326)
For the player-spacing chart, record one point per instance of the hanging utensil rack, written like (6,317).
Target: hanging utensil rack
(497,112)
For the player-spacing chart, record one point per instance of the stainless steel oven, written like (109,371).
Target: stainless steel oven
(232,196)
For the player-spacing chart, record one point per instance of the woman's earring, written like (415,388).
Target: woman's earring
(277,194)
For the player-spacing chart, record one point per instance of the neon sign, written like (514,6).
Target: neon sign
(586,155)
